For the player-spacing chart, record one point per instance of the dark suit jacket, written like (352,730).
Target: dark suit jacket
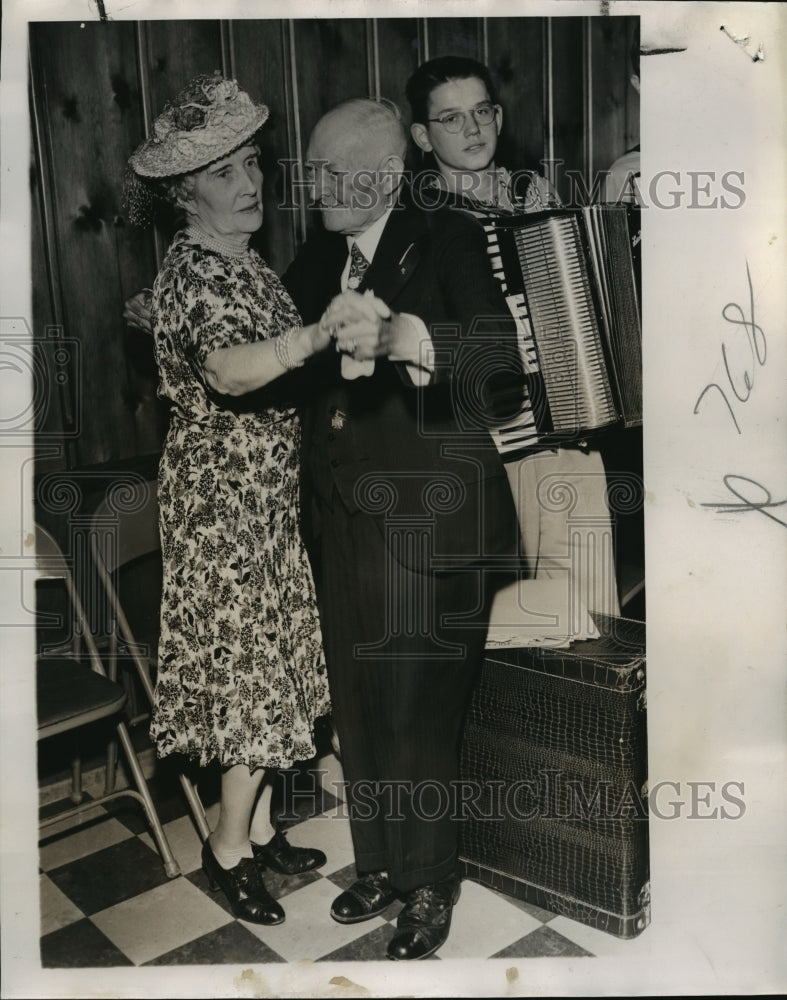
(420,455)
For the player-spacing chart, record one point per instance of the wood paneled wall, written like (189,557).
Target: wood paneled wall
(95,88)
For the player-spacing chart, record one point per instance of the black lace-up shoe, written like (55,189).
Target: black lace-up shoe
(280,856)
(423,924)
(243,887)
(367,897)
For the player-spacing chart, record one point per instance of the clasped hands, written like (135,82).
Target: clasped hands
(361,325)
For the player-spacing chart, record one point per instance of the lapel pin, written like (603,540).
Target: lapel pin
(403,258)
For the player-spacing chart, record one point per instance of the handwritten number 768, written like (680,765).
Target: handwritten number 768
(755,338)
(744,489)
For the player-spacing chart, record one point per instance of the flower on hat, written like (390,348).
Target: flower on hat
(207,120)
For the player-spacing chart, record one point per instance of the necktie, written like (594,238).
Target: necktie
(358,267)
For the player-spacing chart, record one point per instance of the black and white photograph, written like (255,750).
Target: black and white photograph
(394,499)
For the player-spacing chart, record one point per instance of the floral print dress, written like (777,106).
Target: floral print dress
(241,674)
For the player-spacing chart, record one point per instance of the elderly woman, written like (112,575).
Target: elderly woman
(241,675)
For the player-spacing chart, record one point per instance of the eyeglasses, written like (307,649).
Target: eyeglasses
(484,114)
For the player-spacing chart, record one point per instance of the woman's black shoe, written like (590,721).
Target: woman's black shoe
(280,856)
(243,887)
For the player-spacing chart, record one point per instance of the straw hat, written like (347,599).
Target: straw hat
(207,120)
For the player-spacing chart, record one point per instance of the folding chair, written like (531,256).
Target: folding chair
(125,528)
(71,694)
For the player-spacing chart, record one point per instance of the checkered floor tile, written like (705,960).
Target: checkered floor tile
(106,900)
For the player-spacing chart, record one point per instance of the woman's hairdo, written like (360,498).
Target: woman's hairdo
(435,72)
(145,198)
(176,190)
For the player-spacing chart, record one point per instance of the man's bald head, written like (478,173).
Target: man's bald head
(356,153)
(368,130)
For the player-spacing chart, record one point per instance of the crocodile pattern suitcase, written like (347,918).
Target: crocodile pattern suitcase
(554,777)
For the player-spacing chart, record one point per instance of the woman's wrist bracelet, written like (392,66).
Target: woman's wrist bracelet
(282,347)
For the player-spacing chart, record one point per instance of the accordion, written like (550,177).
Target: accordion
(571,278)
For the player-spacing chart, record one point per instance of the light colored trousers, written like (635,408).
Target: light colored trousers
(561,503)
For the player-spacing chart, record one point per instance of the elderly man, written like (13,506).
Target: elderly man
(416,523)
(414,507)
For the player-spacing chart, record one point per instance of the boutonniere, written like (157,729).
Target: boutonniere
(338,418)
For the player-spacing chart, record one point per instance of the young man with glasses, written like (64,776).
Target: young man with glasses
(456,119)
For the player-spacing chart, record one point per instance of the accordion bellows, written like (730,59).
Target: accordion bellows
(571,281)
(555,745)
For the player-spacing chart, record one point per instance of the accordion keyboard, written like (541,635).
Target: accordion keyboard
(520,432)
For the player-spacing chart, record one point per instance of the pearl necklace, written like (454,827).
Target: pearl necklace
(212,243)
